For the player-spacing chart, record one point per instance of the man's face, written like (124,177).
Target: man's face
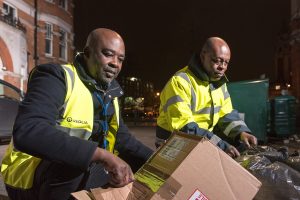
(215,62)
(105,59)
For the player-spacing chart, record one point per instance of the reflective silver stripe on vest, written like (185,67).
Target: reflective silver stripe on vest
(71,73)
(172,100)
(207,110)
(232,125)
(193,100)
(72,76)
(80,133)
(215,139)
(225,93)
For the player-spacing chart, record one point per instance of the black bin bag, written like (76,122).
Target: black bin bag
(279,181)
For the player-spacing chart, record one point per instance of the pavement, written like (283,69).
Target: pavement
(145,134)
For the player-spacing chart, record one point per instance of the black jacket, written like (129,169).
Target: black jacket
(34,130)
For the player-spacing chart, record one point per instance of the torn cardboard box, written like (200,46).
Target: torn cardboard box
(186,167)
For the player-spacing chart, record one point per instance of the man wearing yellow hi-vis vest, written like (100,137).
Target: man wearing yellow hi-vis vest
(69,131)
(195,100)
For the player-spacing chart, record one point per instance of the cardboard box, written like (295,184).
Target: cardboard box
(186,167)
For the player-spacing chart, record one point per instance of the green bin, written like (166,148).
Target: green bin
(250,99)
(283,115)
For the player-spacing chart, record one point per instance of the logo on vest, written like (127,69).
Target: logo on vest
(78,121)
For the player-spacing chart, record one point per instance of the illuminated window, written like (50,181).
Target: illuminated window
(48,39)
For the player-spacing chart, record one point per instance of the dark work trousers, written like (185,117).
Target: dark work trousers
(57,182)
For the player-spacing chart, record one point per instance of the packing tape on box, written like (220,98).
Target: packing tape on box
(155,180)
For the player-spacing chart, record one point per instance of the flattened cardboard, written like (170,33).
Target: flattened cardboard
(83,195)
(186,167)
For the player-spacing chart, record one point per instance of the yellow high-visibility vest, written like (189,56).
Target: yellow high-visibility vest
(18,168)
(186,99)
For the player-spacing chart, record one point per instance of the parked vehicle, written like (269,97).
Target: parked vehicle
(10,97)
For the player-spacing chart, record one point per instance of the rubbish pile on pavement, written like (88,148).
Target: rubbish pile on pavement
(277,168)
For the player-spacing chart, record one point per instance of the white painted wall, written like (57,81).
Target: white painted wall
(15,41)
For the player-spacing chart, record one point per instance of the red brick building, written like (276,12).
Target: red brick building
(288,56)
(34,32)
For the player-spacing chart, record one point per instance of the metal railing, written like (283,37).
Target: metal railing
(12,21)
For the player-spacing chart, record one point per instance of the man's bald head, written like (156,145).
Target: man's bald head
(99,35)
(215,56)
(215,44)
(104,54)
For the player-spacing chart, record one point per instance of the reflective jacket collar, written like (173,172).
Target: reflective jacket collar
(197,69)
(114,89)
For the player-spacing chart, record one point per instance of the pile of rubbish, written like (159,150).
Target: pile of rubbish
(277,169)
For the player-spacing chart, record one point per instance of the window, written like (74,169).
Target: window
(48,39)
(63,4)
(9,11)
(63,44)
(50,1)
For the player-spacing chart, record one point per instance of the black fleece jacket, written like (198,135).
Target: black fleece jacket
(34,129)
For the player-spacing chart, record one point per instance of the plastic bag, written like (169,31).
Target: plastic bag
(279,181)
(294,162)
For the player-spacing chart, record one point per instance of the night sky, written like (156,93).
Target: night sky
(160,35)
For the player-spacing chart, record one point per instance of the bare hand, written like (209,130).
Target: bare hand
(119,171)
(232,151)
(248,139)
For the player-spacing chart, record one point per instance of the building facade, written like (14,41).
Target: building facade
(288,56)
(33,32)
(295,47)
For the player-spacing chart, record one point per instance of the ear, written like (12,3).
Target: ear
(86,52)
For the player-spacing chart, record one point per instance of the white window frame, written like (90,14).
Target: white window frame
(63,44)
(65,6)
(49,37)
(15,14)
